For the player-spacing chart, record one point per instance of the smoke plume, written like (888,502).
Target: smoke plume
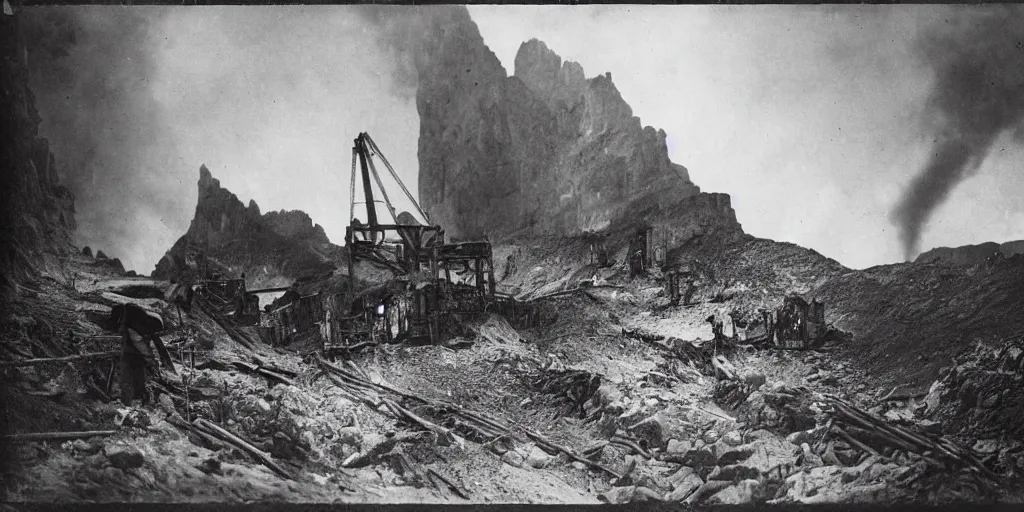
(91,69)
(414,35)
(977,56)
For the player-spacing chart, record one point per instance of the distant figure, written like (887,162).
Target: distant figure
(135,325)
(134,352)
(717,327)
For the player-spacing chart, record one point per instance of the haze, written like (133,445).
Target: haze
(811,117)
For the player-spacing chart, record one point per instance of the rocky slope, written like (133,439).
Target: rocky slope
(910,320)
(37,212)
(272,249)
(544,151)
(970,254)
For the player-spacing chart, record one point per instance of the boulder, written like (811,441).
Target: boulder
(733,438)
(733,456)
(800,437)
(807,484)
(710,437)
(629,494)
(166,403)
(709,488)
(650,430)
(678,447)
(808,458)
(761,454)
(733,472)
(684,486)
(743,492)
(680,474)
(128,417)
(87,447)
(696,457)
(124,457)
(754,381)
(515,458)
(538,458)
(87,251)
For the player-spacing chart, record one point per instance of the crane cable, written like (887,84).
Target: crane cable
(387,164)
(376,177)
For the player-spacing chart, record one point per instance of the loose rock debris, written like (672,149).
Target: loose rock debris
(608,400)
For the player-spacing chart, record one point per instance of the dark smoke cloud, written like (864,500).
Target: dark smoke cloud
(402,31)
(977,55)
(413,35)
(90,72)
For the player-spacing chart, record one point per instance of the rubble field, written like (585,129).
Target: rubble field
(622,399)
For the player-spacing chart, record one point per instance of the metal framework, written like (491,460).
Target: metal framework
(459,276)
(796,325)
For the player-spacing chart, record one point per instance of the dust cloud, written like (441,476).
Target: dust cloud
(977,55)
(134,99)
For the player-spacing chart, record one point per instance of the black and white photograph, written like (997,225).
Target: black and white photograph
(379,254)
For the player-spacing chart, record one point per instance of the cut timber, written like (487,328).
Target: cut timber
(45,360)
(433,427)
(218,432)
(238,337)
(545,442)
(459,491)
(59,436)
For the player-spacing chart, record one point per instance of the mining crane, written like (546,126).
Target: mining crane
(410,247)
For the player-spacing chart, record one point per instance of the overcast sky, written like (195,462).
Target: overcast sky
(809,117)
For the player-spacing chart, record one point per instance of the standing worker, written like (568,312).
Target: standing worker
(137,327)
(134,353)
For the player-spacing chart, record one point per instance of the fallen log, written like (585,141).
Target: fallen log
(906,396)
(881,437)
(262,371)
(59,436)
(228,329)
(216,431)
(459,491)
(626,443)
(340,375)
(374,454)
(429,425)
(855,443)
(540,439)
(65,359)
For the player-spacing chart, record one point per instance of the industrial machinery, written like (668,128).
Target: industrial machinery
(796,325)
(433,279)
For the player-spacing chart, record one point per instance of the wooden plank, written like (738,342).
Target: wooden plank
(59,436)
(65,359)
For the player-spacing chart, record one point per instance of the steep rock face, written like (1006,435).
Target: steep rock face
(272,249)
(37,212)
(545,151)
(970,254)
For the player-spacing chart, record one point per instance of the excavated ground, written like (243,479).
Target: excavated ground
(699,442)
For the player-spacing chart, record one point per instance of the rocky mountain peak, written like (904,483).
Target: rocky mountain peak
(544,151)
(272,249)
